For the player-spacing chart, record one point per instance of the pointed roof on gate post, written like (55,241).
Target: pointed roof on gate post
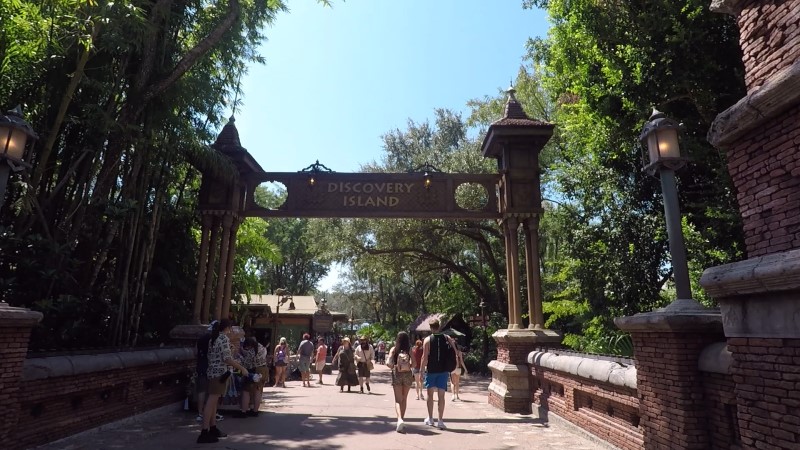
(516,124)
(228,144)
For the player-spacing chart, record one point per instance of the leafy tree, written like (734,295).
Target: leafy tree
(603,66)
(126,96)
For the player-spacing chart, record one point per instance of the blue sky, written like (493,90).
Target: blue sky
(338,78)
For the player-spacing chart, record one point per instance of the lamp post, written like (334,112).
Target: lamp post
(14,135)
(485,345)
(663,156)
(283,297)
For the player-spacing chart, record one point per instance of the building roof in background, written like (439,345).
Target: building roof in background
(421,324)
(304,305)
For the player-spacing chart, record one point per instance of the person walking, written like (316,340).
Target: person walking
(345,358)
(319,359)
(416,353)
(365,354)
(434,360)
(281,361)
(381,353)
(455,376)
(250,386)
(401,363)
(262,359)
(200,378)
(305,351)
(219,358)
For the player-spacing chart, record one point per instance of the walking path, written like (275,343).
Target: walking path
(322,418)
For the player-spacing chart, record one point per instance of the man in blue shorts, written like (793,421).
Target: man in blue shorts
(434,350)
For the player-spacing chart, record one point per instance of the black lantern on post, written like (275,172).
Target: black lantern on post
(283,297)
(15,133)
(662,155)
(485,337)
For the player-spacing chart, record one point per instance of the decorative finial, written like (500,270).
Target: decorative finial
(511,91)
(232,119)
(656,114)
(17,111)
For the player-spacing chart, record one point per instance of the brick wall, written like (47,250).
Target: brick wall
(513,352)
(609,412)
(767,377)
(670,388)
(769,38)
(721,410)
(765,168)
(13,349)
(53,408)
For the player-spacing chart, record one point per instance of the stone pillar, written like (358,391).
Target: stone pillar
(760,303)
(212,254)
(202,265)
(226,303)
(667,345)
(510,389)
(760,134)
(222,274)
(15,330)
(531,229)
(760,297)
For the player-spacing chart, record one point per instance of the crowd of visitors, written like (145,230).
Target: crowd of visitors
(242,367)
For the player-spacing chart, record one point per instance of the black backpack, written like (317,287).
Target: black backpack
(442,356)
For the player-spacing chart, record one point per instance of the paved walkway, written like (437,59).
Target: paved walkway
(321,418)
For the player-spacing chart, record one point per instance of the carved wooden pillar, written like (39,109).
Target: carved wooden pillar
(512,254)
(227,222)
(202,266)
(510,293)
(531,230)
(212,255)
(226,302)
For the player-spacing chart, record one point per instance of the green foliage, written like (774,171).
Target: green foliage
(603,66)
(126,96)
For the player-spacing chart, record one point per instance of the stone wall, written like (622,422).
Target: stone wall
(761,132)
(15,330)
(765,167)
(64,395)
(719,397)
(769,37)
(598,396)
(767,377)
(721,410)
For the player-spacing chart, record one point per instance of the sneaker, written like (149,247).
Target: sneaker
(441,426)
(206,438)
(214,431)
(199,418)
(428,421)
(401,427)
(219,417)
(239,415)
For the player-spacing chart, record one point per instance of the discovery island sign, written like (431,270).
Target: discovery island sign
(390,195)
